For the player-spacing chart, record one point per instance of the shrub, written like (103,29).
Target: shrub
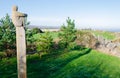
(2,55)
(30,40)
(74,46)
(44,43)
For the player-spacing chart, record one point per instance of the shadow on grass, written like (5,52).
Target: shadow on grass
(40,67)
(49,64)
(74,57)
(8,68)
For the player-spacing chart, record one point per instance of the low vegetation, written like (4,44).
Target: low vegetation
(106,34)
(61,54)
(74,64)
(44,43)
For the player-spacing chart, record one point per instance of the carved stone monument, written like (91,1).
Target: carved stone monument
(18,20)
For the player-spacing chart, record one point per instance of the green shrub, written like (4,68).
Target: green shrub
(73,46)
(44,43)
(62,44)
(30,40)
(2,55)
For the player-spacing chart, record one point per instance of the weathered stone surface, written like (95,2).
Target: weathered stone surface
(18,18)
(108,46)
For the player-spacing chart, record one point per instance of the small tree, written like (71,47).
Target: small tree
(30,40)
(44,43)
(7,33)
(67,34)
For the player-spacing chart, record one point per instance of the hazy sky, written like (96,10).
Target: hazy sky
(86,13)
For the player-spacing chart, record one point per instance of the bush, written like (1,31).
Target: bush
(73,46)
(2,55)
(44,43)
(62,45)
(30,40)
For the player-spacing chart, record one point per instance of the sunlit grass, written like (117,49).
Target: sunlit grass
(92,65)
(73,64)
(105,34)
(53,34)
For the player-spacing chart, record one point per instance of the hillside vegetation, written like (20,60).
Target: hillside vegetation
(105,34)
(74,64)
(68,53)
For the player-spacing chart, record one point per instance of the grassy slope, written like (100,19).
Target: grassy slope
(74,64)
(106,34)
(92,65)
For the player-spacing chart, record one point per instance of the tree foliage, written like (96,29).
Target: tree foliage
(8,36)
(7,33)
(67,33)
(44,43)
(30,40)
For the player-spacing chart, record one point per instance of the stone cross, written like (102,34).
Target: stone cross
(18,20)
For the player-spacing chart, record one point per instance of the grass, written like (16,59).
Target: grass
(92,65)
(74,64)
(105,34)
(8,68)
(53,34)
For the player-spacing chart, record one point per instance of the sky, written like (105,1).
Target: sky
(95,14)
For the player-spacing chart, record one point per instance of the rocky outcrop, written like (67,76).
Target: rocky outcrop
(108,46)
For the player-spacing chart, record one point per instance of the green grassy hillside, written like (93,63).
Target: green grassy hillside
(105,34)
(75,64)
(91,65)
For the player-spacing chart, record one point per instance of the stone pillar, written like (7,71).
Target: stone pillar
(18,20)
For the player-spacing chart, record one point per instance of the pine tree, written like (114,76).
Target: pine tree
(7,33)
(67,33)
(44,43)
